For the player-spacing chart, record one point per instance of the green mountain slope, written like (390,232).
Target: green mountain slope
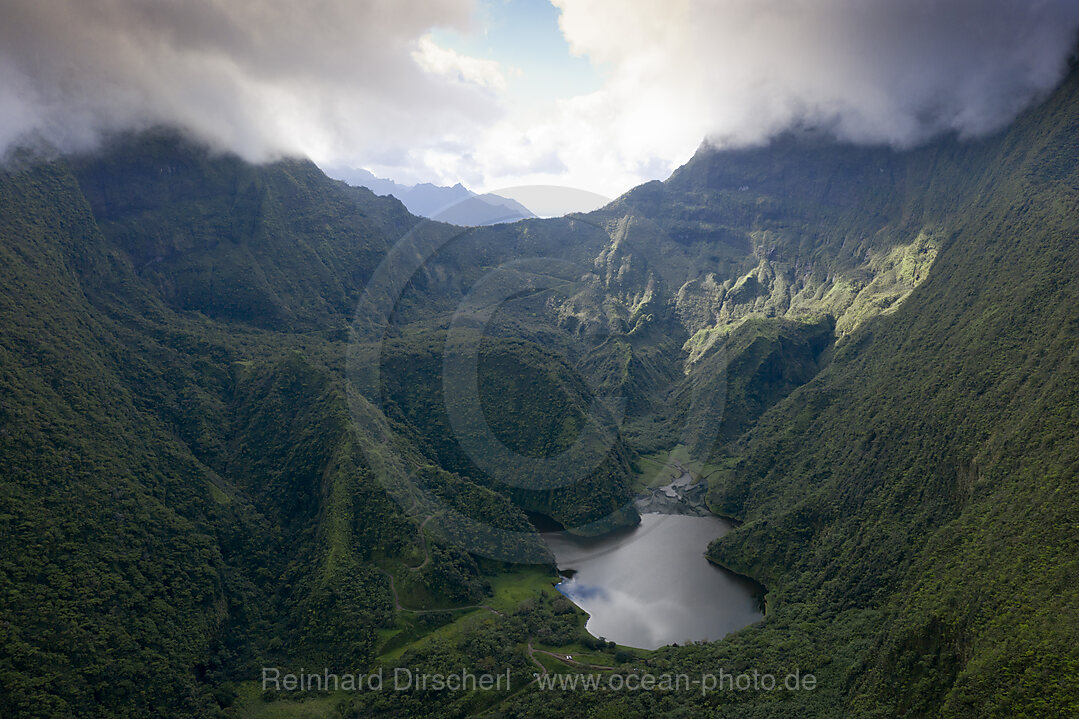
(929,472)
(277,246)
(535,407)
(872,351)
(111,588)
(912,508)
(185,495)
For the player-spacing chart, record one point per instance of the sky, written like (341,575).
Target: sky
(595,94)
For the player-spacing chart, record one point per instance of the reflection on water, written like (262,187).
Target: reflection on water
(651,585)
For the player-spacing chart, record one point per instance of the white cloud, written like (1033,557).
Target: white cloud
(452,65)
(740,71)
(263,78)
(893,71)
(363,83)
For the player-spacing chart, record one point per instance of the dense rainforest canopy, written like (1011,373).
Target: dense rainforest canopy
(221,452)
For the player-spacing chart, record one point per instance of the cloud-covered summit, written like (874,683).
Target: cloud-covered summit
(872,71)
(364,84)
(260,77)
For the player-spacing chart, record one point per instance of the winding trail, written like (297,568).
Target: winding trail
(532,656)
(401,608)
(426,560)
(566,658)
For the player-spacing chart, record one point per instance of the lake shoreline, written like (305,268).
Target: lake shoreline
(683,596)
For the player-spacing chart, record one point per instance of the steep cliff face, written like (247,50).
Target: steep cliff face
(873,351)
(799,229)
(927,475)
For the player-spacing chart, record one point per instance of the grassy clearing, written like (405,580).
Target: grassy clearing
(553,665)
(510,590)
(653,470)
(250,704)
(513,587)
(660,468)
(413,631)
(600,657)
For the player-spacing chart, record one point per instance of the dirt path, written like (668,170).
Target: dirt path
(537,662)
(423,543)
(401,608)
(426,559)
(569,660)
(393,590)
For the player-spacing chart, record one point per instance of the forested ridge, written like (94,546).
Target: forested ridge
(196,484)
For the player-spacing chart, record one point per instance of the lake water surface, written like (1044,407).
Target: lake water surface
(651,585)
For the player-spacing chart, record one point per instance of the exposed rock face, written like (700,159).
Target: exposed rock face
(684,495)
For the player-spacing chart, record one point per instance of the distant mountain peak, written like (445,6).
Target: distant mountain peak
(455,204)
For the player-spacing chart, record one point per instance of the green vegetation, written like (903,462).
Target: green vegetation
(870,355)
(535,406)
(185,497)
(250,704)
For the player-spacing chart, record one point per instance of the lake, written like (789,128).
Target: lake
(651,585)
